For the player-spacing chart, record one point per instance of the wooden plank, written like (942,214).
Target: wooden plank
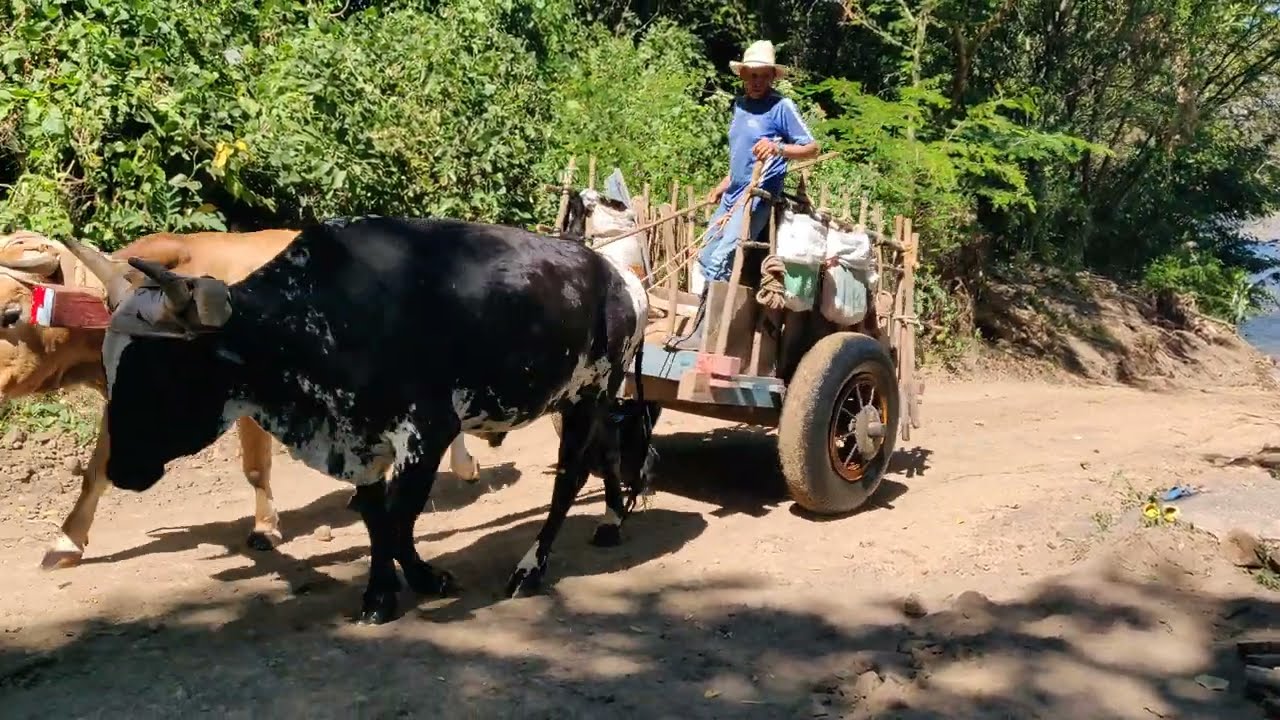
(736,321)
(915,385)
(906,348)
(591,173)
(740,390)
(735,277)
(764,343)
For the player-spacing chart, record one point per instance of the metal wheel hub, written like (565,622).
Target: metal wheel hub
(867,431)
(857,428)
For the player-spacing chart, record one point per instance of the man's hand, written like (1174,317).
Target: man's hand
(718,191)
(765,148)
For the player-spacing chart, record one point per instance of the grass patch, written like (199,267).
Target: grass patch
(1104,520)
(73,414)
(1267,578)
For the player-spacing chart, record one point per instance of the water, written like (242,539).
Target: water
(1263,331)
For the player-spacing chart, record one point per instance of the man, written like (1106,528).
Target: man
(765,126)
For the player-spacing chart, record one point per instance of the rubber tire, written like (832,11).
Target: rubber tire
(803,430)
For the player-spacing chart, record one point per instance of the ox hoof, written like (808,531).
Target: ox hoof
(426,580)
(607,535)
(378,608)
(470,474)
(64,553)
(524,583)
(264,541)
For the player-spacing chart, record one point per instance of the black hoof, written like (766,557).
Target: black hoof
(524,583)
(260,542)
(607,535)
(378,608)
(426,580)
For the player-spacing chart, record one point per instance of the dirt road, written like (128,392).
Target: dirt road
(723,601)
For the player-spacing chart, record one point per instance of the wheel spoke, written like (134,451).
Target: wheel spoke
(853,448)
(859,403)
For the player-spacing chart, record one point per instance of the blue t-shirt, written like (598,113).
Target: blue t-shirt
(773,117)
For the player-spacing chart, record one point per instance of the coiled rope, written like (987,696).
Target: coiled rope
(772,293)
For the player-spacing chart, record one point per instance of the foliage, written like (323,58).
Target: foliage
(639,107)
(1094,134)
(120,117)
(946,331)
(51,413)
(918,158)
(1219,290)
(359,116)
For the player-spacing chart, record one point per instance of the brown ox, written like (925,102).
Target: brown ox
(36,359)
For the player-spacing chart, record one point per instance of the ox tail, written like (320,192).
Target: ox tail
(647,422)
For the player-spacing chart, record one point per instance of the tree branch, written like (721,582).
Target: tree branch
(854,14)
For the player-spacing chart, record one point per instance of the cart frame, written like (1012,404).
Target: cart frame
(774,367)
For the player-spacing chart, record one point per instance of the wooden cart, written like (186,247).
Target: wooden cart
(835,394)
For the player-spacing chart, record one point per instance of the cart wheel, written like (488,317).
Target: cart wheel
(839,423)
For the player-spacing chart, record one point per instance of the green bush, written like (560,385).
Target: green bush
(1219,290)
(121,117)
(640,107)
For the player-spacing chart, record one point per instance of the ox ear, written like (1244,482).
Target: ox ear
(213,302)
(111,272)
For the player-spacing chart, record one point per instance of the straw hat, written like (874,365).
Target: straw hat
(759,54)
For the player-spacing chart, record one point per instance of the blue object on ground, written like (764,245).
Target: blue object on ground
(1179,491)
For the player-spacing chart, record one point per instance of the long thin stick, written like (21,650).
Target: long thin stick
(564,194)
(651,225)
(810,163)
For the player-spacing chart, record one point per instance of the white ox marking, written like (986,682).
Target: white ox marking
(399,437)
(529,562)
(465,466)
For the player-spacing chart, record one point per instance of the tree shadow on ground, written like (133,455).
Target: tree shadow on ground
(655,647)
(736,468)
(329,510)
(481,568)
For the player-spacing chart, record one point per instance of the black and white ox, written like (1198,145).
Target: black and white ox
(367,345)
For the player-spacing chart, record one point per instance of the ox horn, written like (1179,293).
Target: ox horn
(176,293)
(210,296)
(108,270)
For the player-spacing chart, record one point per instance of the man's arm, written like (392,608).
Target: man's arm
(791,127)
(766,148)
(798,151)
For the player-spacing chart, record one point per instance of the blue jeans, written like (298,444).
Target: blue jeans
(716,258)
